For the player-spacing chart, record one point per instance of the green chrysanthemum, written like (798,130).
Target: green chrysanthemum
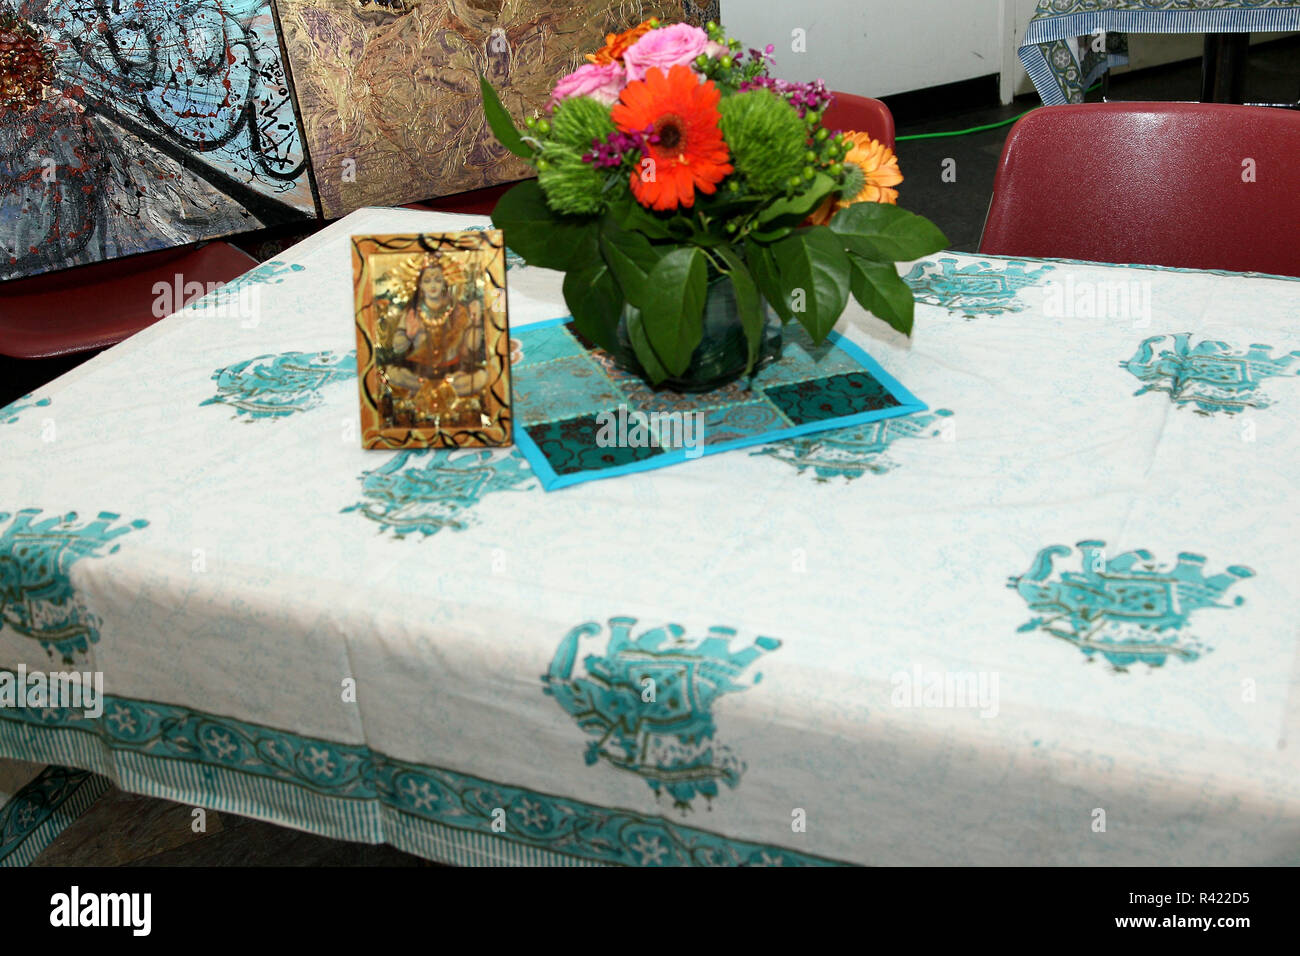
(766,138)
(854,181)
(571,185)
(577,121)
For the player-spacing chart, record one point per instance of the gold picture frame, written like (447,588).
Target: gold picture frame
(433,340)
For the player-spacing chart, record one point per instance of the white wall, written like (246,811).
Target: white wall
(874,47)
(879,47)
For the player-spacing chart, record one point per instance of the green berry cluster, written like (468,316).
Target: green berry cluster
(733,68)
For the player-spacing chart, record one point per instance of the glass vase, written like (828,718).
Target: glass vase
(720,357)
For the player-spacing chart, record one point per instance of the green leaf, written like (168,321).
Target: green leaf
(545,238)
(642,348)
(815,273)
(630,214)
(885,233)
(879,289)
(748,301)
(800,205)
(673,306)
(630,257)
(503,127)
(596,302)
(768,278)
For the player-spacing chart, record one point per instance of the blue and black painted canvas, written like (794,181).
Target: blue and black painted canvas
(129,127)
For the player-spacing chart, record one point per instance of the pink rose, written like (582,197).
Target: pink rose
(665,48)
(602,82)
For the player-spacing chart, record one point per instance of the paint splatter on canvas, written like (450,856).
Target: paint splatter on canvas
(388,89)
(130,125)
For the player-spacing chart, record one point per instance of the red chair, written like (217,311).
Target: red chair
(91,307)
(1189,185)
(860,114)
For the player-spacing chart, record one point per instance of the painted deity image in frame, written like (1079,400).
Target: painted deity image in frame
(433,340)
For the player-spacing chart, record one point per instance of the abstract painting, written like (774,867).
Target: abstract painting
(132,125)
(389,94)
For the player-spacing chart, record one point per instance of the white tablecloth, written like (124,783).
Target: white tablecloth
(890,646)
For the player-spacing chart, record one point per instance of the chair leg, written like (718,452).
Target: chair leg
(1223,67)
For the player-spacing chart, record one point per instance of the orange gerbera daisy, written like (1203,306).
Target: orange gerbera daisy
(872,169)
(689,153)
(616,44)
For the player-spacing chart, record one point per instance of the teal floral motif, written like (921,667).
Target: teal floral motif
(325,776)
(975,289)
(272,272)
(42,809)
(37,598)
(831,397)
(852,452)
(1212,376)
(11,413)
(1128,609)
(275,386)
(426,491)
(648,702)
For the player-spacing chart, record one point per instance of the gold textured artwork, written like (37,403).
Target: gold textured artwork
(388,89)
(433,340)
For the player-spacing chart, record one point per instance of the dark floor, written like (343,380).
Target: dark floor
(122,829)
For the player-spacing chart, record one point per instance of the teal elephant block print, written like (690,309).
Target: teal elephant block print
(245,290)
(426,491)
(1127,609)
(37,598)
(648,702)
(850,453)
(11,413)
(979,288)
(1210,377)
(275,386)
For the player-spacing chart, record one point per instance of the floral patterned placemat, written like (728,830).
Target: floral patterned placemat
(581,417)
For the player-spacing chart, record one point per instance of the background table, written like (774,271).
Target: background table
(1056,49)
(1049,620)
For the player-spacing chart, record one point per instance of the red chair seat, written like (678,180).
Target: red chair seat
(91,307)
(1161,184)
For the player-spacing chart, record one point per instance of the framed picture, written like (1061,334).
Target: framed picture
(433,340)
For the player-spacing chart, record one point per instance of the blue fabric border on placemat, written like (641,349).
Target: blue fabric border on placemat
(550,479)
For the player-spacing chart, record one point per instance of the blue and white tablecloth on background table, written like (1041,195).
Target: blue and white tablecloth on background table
(1058,47)
(1052,619)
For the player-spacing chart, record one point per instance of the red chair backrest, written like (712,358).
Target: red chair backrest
(93,306)
(861,114)
(1164,184)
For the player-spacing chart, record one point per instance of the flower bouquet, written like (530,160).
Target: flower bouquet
(695,203)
